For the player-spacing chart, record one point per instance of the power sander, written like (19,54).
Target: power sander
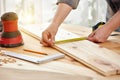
(10,36)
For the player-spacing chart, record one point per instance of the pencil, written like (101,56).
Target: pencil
(28,50)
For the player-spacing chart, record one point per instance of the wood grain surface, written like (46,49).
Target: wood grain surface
(67,65)
(20,74)
(94,56)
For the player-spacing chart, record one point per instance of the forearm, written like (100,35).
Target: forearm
(62,12)
(114,22)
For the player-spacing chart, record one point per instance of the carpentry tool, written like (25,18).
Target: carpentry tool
(36,60)
(98,25)
(1,26)
(70,40)
(33,51)
(10,35)
(80,38)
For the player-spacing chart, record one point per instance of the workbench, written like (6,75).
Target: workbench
(65,65)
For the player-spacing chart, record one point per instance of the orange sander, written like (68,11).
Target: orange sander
(10,36)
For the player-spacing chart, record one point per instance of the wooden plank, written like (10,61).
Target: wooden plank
(19,74)
(98,58)
(36,32)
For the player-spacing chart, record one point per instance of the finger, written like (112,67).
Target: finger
(43,43)
(92,34)
(53,38)
(46,38)
(92,39)
(95,39)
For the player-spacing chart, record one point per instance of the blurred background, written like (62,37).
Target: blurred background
(88,13)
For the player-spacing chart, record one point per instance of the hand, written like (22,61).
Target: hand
(100,35)
(48,36)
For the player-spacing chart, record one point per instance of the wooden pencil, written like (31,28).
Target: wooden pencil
(33,51)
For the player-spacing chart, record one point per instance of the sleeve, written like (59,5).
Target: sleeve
(72,3)
(119,4)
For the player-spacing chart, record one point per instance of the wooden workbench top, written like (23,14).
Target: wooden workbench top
(67,65)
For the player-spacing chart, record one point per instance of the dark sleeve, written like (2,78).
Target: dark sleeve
(72,3)
(114,4)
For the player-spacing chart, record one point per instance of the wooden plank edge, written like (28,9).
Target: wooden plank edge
(29,33)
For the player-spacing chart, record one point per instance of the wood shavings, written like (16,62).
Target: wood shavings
(4,59)
(8,60)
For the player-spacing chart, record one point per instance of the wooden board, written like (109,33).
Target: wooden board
(36,32)
(94,56)
(13,74)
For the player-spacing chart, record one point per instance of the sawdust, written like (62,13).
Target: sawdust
(4,59)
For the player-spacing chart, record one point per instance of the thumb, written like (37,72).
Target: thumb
(91,37)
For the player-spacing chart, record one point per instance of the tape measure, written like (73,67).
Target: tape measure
(98,25)
(70,40)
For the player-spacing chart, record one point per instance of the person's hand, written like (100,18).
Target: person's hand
(48,36)
(100,35)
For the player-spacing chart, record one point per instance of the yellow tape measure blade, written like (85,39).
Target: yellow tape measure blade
(70,40)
